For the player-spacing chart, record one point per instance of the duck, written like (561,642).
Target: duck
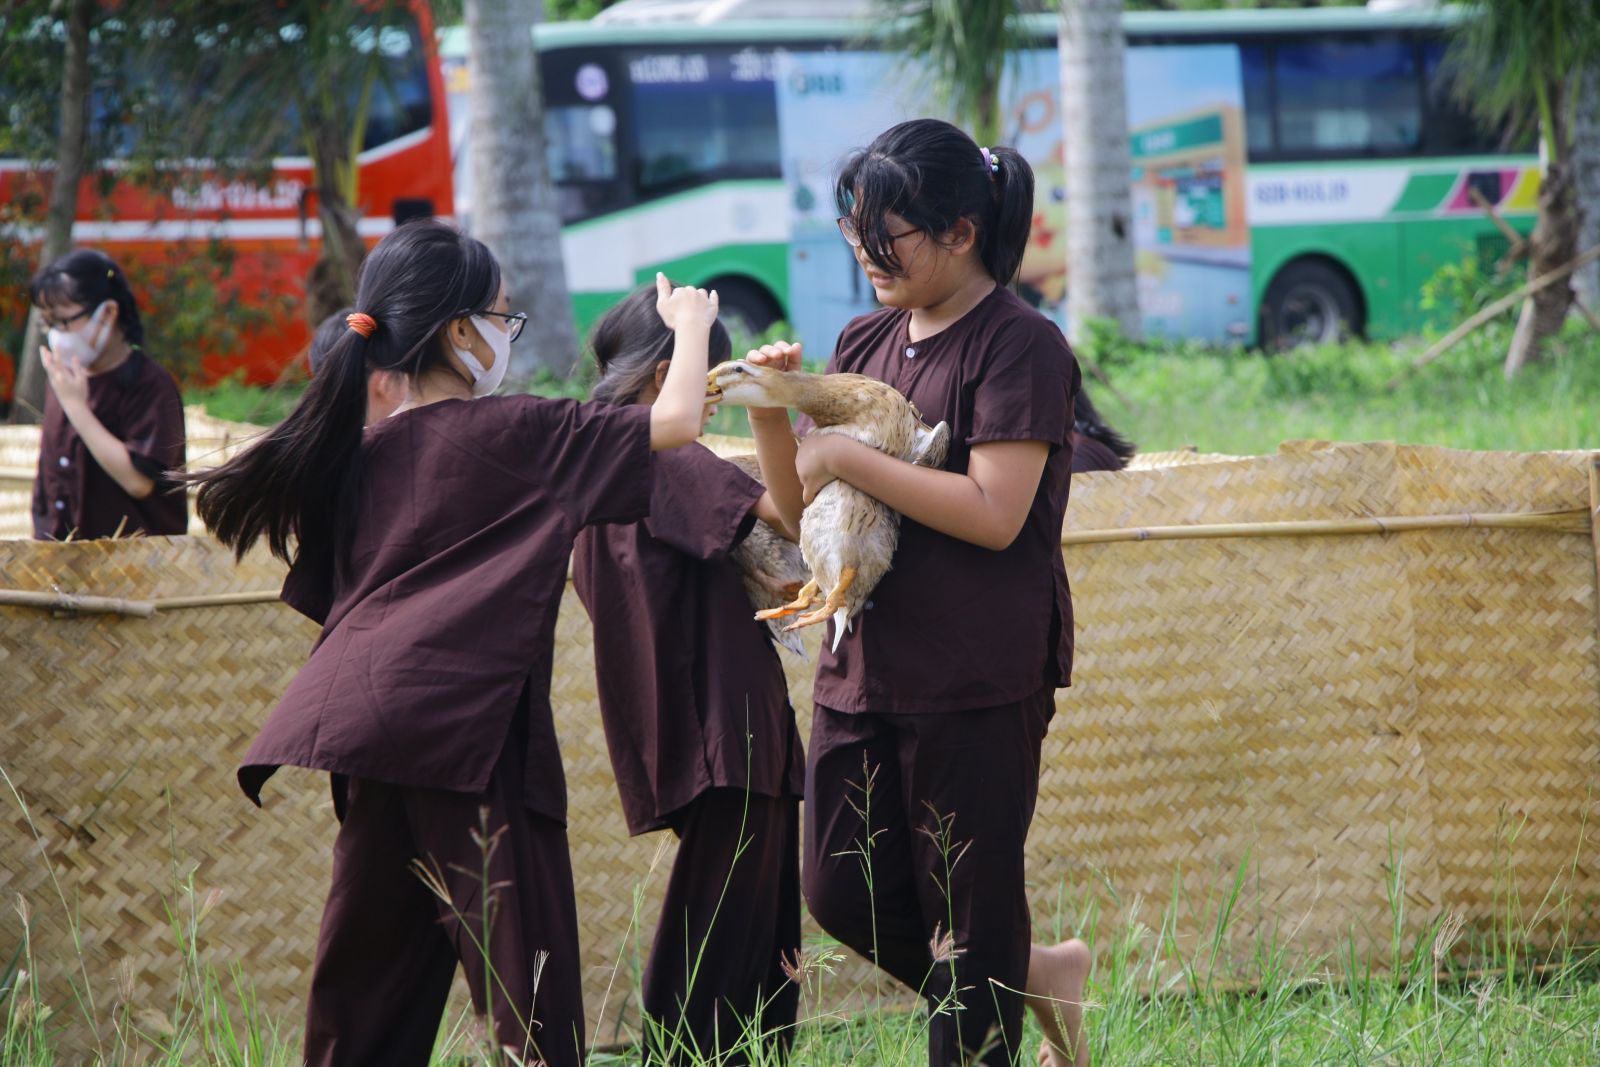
(770,566)
(847,538)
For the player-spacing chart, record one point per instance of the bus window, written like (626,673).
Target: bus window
(1352,96)
(581,146)
(702,116)
(582,143)
(1254,63)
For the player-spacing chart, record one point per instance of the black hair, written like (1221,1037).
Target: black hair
(326,336)
(630,341)
(88,277)
(301,480)
(933,175)
(1087,421)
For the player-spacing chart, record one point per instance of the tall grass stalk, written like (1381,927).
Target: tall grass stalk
(1517,987)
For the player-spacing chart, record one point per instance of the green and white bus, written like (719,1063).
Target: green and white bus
(1296,172)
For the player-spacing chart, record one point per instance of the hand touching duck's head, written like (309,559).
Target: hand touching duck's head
(747,385)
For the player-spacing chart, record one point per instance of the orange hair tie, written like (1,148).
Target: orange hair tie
(361,323)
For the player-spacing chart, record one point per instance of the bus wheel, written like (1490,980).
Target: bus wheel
(748,310)
(1309,302)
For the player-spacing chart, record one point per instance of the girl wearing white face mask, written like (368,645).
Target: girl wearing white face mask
(113,417)
(432,546)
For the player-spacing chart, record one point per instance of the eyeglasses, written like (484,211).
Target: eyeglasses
(62,324)
(852,235)
(515,321)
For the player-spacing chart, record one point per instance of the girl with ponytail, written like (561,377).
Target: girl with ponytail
(433,547)
(938,701)
(697,717)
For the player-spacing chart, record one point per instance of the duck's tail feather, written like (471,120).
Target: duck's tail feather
(841,623)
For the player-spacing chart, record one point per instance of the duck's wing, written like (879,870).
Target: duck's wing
(771,567)
(772,570)
(932,443)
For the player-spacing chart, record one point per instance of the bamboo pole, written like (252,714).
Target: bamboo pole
(88,604)
(215,600)
(1571,521)
(79,604)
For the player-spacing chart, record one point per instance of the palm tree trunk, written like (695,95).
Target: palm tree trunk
(514,208)
(989,123)
(332,284)
(1101,280)
(1554,241)
(72,144)
(1586,169)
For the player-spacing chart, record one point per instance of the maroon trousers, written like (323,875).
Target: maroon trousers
(389,945)
(730,917)
(939,806)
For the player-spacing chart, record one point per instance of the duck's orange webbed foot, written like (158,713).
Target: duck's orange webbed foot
(834,602)
(803,599)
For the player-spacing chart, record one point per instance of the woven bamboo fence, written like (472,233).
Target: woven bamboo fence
(1302,689)
(1326,666)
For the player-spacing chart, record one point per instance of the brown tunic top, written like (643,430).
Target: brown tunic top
(692,693)
(447,617)
(140,405)
(1091,455)
(953,626)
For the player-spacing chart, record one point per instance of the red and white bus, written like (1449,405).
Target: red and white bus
(271,230)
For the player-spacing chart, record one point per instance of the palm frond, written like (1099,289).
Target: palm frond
(962,48)
(1506,50)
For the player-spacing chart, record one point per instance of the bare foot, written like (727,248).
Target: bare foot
(1057,975)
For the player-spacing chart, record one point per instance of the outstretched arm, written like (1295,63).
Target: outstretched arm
(783,501)
(678,413)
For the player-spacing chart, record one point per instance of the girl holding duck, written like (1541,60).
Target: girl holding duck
(925,744)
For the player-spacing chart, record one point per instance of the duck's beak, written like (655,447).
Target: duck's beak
(713,390)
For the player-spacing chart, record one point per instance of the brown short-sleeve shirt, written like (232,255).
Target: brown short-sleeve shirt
(953,626)
(692,693)
(73,496)
(467,515)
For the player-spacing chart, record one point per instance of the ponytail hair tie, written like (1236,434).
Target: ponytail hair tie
(990,160)
(361,323)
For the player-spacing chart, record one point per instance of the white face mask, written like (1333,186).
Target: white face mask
(72,347)
(486,380)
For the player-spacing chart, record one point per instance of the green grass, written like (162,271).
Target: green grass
(235,401)
(1435,999)
(1244,403)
